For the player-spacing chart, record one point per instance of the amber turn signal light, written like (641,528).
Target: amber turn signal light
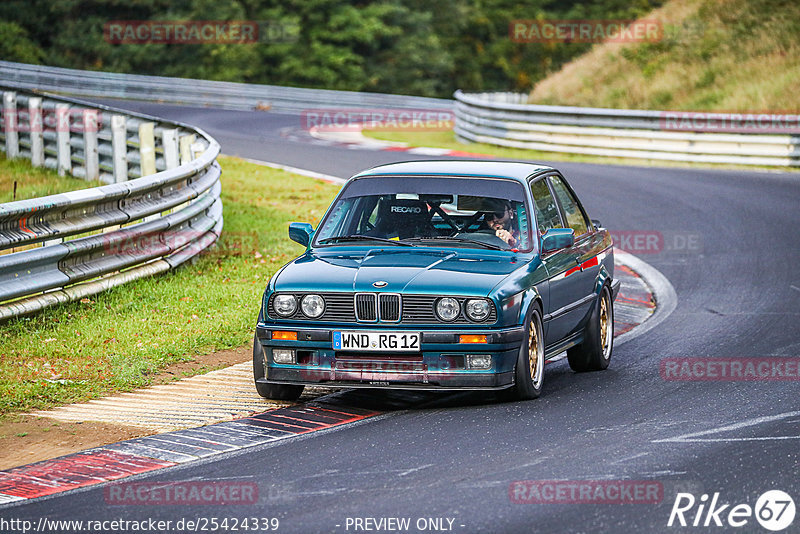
(472,338)
(286,336)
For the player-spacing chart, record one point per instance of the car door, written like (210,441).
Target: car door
(557,263)
(579,279)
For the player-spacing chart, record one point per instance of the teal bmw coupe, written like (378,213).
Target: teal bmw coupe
(440,275)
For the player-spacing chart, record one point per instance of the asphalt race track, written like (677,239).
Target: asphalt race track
(456,456)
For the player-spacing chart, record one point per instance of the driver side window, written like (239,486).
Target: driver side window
(547,216)
(572,211)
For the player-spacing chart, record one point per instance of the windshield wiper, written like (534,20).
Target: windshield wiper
(357,237)
(457,240)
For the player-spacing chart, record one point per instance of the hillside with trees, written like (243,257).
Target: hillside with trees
(412,47)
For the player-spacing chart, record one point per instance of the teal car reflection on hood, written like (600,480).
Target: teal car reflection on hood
(440,275)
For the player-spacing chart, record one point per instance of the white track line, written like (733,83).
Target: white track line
(695,437)
(295,170)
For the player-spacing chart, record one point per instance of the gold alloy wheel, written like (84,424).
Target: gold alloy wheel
(534,353)
(605,326)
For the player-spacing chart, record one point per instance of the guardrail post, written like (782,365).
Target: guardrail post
(11,121)
(147,148)
(119,147)
(147,152)
(169,139)
(63,148)
(36,124)
(186,142)
(197,149)
(90,127)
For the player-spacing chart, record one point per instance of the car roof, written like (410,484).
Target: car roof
(467,168)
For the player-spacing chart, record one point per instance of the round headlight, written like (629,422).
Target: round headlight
(285,305)
(312,306)
(447,309)
(477,309)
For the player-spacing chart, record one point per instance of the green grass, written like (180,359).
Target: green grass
(32,182)
(715,55)
(447,139)
(119,339)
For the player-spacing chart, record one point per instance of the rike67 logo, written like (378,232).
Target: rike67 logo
(774,510)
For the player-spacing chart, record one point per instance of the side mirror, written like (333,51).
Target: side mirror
(301,233)
(597,224)
(558,238)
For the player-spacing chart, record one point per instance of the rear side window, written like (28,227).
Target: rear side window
(546,209)
(572,211)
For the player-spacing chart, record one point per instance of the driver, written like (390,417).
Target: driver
(501,221)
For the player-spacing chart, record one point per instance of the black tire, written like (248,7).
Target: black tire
(529,370)
(287,392)
(594,354)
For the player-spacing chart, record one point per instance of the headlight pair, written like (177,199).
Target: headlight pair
(448,309)
(286,305)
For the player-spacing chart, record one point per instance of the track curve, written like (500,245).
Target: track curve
(455,456)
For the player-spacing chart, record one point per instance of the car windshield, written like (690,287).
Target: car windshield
(431,211)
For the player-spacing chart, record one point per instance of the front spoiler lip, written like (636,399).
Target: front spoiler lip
(506,377)
(413,387)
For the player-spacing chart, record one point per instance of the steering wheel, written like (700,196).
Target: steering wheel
(483,237)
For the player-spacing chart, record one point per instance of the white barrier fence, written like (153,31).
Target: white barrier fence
(162,205)
(504,119)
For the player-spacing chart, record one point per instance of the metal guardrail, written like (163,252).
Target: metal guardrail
(136,226)
(504,119)
(183,91)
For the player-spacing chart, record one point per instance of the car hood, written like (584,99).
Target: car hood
(411,270)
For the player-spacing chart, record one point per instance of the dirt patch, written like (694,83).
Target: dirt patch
(25,439)
(203,364)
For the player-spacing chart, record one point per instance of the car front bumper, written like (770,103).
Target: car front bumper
(441,363)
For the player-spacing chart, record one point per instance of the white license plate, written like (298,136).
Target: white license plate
(376,341)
